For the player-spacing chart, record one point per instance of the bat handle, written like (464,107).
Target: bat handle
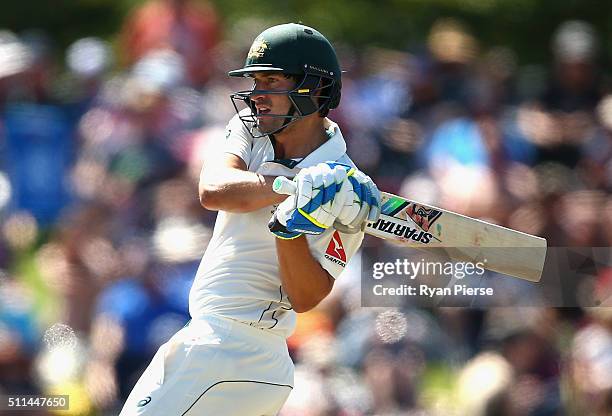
(284,186)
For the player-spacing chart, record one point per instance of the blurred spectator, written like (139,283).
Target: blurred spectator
(15,59)
(18,336)
(39,151)
(35,129)
(563,119)
(188,27)
(88,61)
(453,51)
(591,365)
(574,84)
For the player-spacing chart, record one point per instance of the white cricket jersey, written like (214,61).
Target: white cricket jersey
(238,277)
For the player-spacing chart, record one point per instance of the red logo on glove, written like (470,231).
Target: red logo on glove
(335,248)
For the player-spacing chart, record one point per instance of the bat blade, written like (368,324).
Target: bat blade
(462,238)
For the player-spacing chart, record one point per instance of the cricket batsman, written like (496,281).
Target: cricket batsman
(270,256)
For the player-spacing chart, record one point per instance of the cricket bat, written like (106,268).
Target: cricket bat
(461,238)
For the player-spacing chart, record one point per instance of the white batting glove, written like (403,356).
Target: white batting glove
(363,205)
(320,195)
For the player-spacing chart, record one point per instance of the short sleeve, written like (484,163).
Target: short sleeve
(334,249)
(238,141)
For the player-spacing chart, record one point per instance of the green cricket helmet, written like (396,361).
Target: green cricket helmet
(299,51)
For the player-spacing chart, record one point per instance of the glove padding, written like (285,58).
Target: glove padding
(362,206)
(321,193)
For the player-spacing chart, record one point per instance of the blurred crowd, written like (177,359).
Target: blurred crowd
(101,230)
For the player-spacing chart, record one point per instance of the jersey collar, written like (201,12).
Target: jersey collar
(332,150)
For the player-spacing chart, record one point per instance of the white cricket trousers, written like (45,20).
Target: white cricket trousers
(215,367)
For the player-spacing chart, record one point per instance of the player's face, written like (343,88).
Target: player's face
(271,103)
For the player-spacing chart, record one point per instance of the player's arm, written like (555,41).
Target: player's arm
(226,184)
(321,195)
(302,277)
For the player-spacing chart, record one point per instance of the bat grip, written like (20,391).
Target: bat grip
(284,186)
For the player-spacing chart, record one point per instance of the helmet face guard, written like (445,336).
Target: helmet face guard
(313,94)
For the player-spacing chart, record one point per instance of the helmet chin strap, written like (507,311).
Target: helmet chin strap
(288,119)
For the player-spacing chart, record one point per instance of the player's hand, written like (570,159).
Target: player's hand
(320,195)
(363,204)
